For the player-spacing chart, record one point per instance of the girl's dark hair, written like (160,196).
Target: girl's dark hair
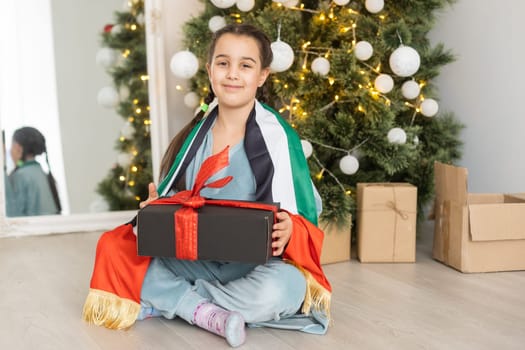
(266,56)
(34,144)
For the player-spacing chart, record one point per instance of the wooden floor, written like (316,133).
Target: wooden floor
(426,305)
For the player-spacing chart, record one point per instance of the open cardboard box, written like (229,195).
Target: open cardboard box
(476,232)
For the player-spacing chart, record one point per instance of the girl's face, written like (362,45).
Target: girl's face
(235,70)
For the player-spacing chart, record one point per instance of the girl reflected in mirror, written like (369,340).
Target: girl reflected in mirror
(29,189)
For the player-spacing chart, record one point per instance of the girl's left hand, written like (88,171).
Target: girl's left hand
(282,231)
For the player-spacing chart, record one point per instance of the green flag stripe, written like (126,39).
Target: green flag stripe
(304,194)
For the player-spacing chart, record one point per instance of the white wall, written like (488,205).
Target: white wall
(89,131)
(485,89)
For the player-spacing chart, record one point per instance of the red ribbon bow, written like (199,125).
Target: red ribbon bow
(186,219)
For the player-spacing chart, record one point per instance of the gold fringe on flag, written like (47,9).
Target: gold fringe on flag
(107,309)
(316,296)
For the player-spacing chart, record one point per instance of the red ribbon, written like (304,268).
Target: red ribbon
(185,218)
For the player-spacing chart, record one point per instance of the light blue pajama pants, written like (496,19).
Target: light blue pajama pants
(261,293)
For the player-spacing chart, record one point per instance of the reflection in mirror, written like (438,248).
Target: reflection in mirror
(49,80)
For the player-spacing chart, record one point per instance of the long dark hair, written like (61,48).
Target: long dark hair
(34,144)
(266,56)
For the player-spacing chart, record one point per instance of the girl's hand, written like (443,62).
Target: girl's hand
(152,195)
(282,231)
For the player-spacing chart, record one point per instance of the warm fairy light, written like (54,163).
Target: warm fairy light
(147,121)
(348,192)
(336,98)
(122,178)
(319,175)
(136,101)
(131,119)
(306,44)
(135,152)
(134,168)
(126,53)
(282,110)
(178,87)
(354,25)
(131,183)
(362,72)
(144,77)
(331,15)
(205,89)
(305,114)
(137,198)
(138,110)
(382,17)
(322,17)
(122,139)
(277,81)
(286,86)
(360,109)
(236,15)
(331,81)
(133,27)
(345,29)
(148,108)
(301,77)
(378,68)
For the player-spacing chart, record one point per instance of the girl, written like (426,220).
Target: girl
(29,190)
(267,164)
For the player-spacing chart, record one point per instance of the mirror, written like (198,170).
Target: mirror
(52,45)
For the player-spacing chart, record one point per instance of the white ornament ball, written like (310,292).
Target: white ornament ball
(223,4)
(99,205)
(245,5)
(349,164)
(283,56)
(184,64)
(384,83)
(404,61)
(374,6)
(429,107)
(127,131)
(124,159)
(410,89)
(307,148)
(321,66)
(108,97)
(216,23)
(191,99)
(363,50)
(106,57)
(140,18)
(397,136)
(287,3)
(341,2)
(117,28)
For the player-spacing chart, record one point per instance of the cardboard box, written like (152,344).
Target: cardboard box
(224,233)
(337,242)
(386,222)
(476,232)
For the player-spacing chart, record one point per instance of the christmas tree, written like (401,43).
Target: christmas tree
(123,54)
(354,78)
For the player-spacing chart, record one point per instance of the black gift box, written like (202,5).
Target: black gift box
(225,233)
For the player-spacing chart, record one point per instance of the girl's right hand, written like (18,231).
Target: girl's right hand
(152,195)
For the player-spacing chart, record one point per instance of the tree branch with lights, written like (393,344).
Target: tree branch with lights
(354,78)
(123,56)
